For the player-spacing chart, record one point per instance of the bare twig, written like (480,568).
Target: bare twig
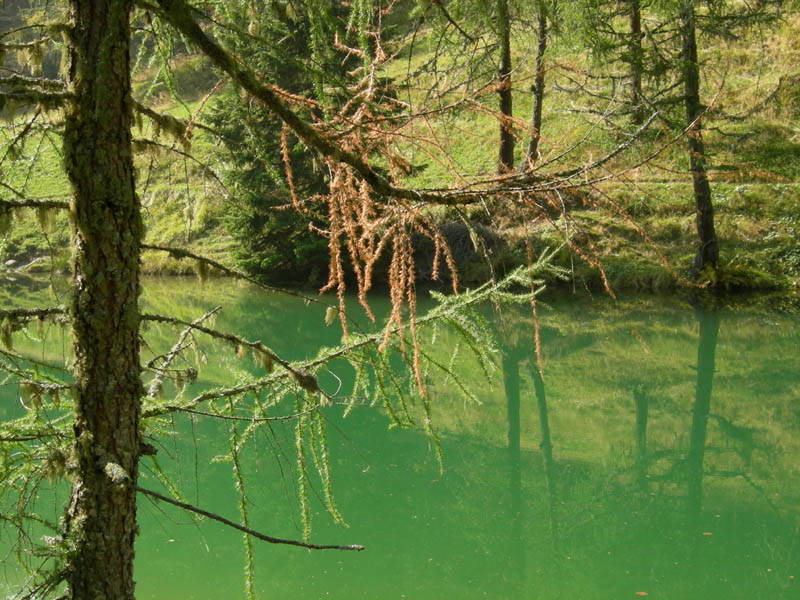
(247,530)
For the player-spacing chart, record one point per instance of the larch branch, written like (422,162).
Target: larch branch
(34,203)
(247,530)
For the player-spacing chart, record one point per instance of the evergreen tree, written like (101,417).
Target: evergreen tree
(544,14)
(275,241)
(657,42)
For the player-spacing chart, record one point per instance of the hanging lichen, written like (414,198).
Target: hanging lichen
(46,218)
(201,268)
(263,357)
(5,335)
(302,473)
(6,219)
(306,380)
(30,395)
(319,452)
(239,482)
(9,107)
(63,66)
(36,56)
(55,465)
(253,27)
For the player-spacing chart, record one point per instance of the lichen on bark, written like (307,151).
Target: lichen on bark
(100,523)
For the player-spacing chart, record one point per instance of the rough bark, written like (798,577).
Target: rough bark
(636,61)
(707,252)
(538,92)
(505,156)
(100,524)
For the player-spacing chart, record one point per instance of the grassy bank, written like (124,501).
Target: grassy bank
(638,225)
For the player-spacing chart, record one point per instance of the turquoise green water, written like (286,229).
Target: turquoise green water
(658,454)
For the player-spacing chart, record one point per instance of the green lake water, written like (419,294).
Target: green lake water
(658,455)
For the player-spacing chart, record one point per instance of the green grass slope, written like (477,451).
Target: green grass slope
(643,234)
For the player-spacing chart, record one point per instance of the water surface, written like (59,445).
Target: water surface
(656,453)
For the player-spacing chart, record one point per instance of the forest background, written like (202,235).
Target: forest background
(635,217)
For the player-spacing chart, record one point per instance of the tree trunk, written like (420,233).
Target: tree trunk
(505,158)
(538,92)
(636,61)
(100,523)
(707,252)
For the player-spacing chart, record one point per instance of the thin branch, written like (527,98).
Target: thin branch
(179,15)
(165,120)
(601,161)
(181,253)
(229,337)
(142,142)
(155,385)
(46,100)
(27,314)
(251,419)
(21,135)
(25,375)
(247,530)
(42,83)
(447,16)
(25,438)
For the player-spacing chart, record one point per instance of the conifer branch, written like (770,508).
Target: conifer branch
(34,97)
(303,368)
(166,122)
(267,356)
(16,30)
(33,203)
(167,359)
(570,173)
(290,417)
(247,530)
(228,337)
(27,314)
(41,83)
(141,144)
(180,254)
(11,149)
(157,410)
(169,123)
(25,438)
(25,375)
(447,307)
(447,16)
(16,46)
(179,15)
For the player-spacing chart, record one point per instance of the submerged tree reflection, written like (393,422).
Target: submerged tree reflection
(708,320)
